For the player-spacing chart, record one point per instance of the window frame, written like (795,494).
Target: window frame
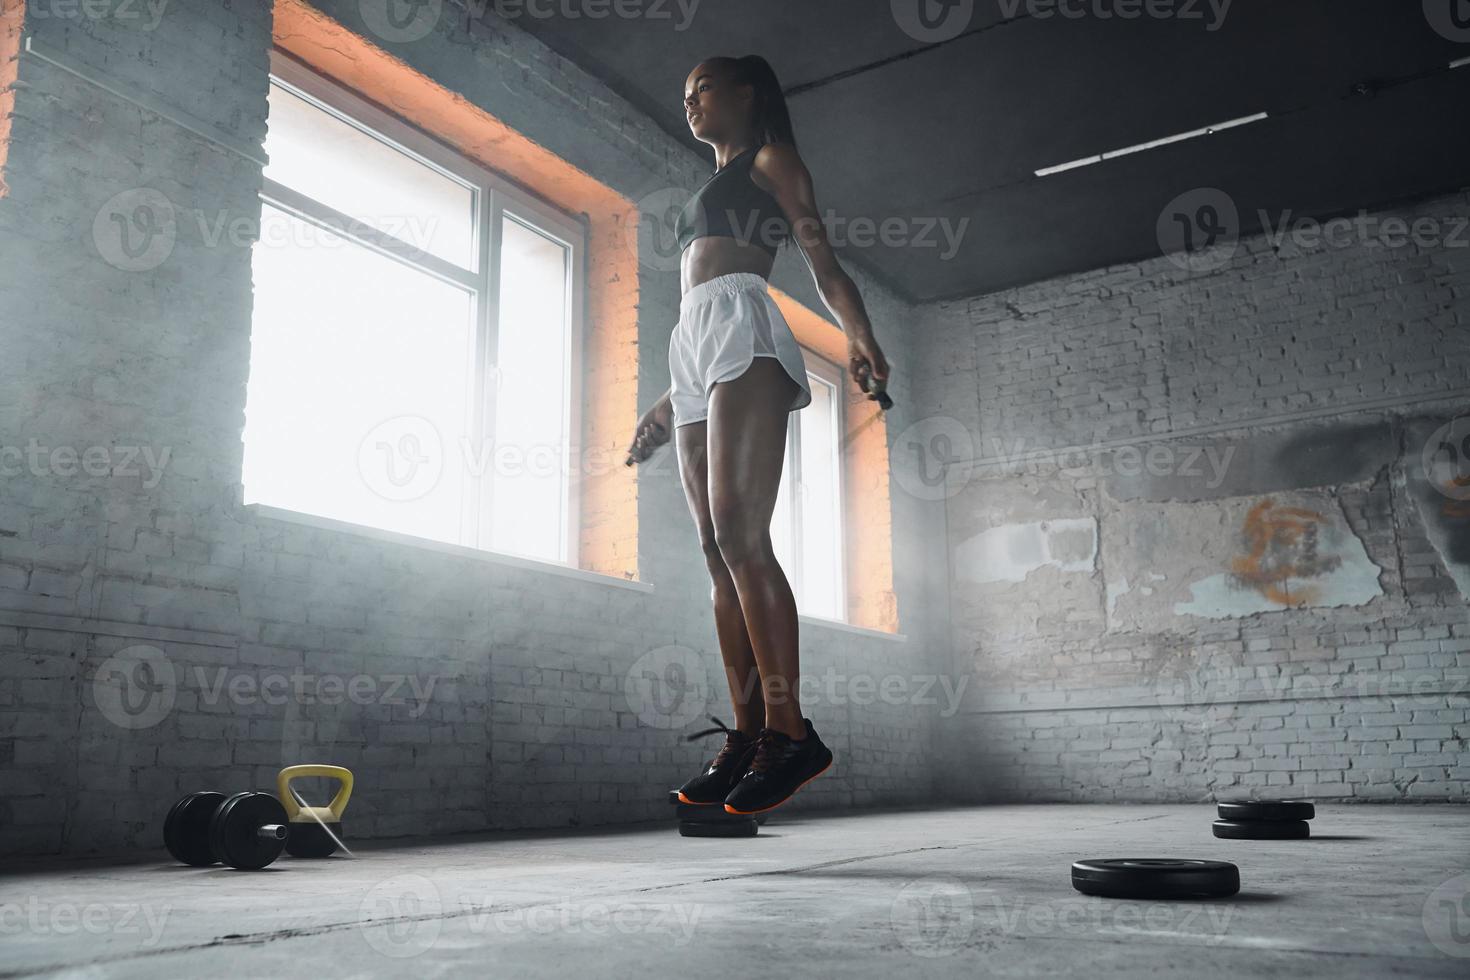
(830,373)
(496,200)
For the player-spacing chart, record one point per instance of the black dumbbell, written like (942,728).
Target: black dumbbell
(246,830)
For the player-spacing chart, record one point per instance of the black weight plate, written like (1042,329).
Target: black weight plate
(311,840)
(706,813)
(186,828)
(1263,829)
(742,827)
(714,813)
(233,830)
(1155,878)
(1267,810)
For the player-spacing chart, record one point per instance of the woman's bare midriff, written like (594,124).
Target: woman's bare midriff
(712,256)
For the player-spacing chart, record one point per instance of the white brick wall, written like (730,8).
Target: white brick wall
(1269,349)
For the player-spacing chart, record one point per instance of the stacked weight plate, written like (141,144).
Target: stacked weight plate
(1265,820)
(713,821)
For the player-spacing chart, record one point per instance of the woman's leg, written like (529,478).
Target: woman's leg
(747,446)
(735,648)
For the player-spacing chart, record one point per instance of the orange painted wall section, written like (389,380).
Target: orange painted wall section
(12,16)
(609,490)
(868,523)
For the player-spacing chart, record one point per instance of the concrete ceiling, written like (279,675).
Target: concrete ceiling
(896,127)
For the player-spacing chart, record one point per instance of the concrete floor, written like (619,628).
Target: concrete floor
(961,892)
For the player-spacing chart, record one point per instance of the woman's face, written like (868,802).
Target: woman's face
(713,106)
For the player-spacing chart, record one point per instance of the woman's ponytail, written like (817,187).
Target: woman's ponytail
(771,117)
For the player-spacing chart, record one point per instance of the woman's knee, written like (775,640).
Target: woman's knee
(739,539)
(714,560)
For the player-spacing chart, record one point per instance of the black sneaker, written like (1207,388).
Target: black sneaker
(711,787)
(780,767)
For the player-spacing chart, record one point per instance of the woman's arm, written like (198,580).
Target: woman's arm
(780,170)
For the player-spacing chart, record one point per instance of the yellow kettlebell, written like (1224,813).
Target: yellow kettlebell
(315,830)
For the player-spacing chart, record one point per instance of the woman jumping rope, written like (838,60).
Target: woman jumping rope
(737,372)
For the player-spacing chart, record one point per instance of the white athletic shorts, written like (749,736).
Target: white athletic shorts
(724,324)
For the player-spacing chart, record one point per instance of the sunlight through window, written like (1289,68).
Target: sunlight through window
(806,527)
(392,384)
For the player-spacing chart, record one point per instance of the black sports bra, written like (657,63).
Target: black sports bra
(731,205)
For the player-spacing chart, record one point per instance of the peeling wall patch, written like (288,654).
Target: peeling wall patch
(1012,551)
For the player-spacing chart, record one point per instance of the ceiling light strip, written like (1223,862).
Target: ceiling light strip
(1152,144)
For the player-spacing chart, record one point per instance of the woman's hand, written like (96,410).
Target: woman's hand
(652,431)
(864,360)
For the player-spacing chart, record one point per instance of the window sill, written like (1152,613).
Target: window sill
(457,550)
(849,628)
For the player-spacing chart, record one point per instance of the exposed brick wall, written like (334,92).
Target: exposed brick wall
(215,614)
(12,16)
(1320,374)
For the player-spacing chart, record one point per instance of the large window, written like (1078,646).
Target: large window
(806,528)
(414,349)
